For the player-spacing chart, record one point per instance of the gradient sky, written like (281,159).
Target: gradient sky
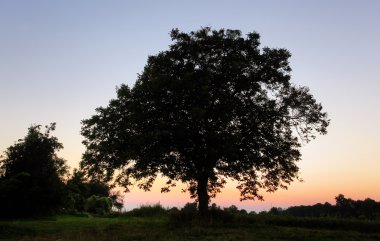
(59,60)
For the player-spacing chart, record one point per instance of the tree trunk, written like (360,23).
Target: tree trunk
(203,198)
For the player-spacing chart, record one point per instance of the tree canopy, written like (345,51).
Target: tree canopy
(213,106)
(31,175)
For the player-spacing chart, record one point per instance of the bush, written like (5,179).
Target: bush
(186,215)
(148,211)
(98,205)
(217,216)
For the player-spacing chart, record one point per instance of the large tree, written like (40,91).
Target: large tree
(213,106)
(31,180)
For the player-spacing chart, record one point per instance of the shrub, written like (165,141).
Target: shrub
(148,211)
(98,205)
(186,215)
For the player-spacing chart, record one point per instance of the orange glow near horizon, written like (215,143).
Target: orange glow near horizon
(330,165)
(298,193)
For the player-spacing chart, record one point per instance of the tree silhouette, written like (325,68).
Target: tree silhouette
(31,181)
(213,106)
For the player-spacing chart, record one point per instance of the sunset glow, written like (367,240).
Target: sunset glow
(59,60)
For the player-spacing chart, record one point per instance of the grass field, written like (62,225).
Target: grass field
(71,228)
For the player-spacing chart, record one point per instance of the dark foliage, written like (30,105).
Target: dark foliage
(98,205)
(31,175)
(89,195)
(189,215)
(148,211)
(213,106)
(317,210)
(304,217)
(344,208)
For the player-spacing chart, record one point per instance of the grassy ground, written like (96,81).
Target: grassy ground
(69,228)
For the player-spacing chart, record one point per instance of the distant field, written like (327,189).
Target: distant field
(70,228)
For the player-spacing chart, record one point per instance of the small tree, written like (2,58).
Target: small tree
(213,106)
(31,181)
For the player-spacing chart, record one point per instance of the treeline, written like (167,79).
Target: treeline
(231,216)
(34,181)
(343,208)
(328,214)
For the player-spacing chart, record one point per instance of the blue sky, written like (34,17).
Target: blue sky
(59,60)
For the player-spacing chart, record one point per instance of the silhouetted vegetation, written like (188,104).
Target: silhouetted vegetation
(213,106)
(89,195)
(344,208)
(148,211)
(318,216)
(31,181)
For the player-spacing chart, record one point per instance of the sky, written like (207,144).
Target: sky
(59,60)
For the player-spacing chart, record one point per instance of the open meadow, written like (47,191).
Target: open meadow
(73,228)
